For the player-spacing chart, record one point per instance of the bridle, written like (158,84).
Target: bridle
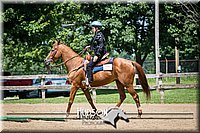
(54,52)
(47,61)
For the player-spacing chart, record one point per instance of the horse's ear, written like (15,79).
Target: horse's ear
(58,42)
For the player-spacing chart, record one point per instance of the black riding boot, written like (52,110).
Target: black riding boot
(89,71)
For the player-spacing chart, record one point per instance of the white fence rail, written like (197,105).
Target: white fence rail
(161,87)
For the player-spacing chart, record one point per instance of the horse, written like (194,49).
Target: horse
(123,73)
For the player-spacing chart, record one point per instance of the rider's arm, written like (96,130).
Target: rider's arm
(92,43)
(100,41)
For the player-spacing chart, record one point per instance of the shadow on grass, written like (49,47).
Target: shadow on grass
(100,92)
(107,91)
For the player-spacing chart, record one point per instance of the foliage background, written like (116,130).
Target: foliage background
(30,28)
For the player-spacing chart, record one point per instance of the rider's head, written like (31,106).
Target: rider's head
(96,25)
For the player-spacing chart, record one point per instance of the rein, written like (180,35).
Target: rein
(80,53)
(76,69)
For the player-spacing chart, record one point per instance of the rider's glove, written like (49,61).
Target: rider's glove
(86,48)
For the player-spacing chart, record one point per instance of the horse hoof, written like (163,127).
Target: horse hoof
(67,114)
(139,116)
(139,111)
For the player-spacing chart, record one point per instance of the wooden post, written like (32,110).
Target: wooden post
(42,88)
(177,63)
(162,94)
(161,90)
(157,51)
(166,67)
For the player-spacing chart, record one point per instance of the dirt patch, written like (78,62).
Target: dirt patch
(187,125)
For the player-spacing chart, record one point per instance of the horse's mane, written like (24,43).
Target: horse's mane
(68,49)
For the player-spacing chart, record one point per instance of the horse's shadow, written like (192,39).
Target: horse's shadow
(103,92)
(106,91)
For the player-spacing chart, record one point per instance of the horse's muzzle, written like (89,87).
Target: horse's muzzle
(48,61)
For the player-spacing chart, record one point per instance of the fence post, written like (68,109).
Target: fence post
(161,90)
(157,49)
(166,67)
(177,60)
(162,94)
(42,87)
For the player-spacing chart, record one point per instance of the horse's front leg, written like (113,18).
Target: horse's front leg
(89,98)
(71,98)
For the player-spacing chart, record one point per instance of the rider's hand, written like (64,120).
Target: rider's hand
(95,58)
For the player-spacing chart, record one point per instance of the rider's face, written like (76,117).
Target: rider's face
(93,29)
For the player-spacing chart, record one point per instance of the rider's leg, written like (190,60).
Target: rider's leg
(89,71)
(86,77)
(85,64)
(90,67)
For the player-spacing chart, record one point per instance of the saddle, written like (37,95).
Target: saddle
(104,60)
(104,64)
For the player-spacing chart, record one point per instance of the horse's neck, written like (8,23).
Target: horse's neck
(68,55)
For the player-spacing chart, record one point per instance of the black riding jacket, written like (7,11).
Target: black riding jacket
(98,44)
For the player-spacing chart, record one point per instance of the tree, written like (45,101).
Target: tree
(29,30)
(128,27)
(177,24)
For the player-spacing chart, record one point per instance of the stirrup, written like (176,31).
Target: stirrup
(86,82)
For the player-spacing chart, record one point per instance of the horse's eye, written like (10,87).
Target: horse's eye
(52,50)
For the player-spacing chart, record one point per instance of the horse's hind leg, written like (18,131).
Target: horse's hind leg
(135,96)
(121,91)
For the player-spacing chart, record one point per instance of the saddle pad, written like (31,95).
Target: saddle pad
(96,69)
(105,67)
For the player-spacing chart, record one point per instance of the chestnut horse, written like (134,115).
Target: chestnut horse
(123,74)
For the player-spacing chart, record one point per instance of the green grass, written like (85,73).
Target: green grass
(112,96)
(182,96)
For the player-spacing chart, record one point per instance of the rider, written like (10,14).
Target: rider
(98,45)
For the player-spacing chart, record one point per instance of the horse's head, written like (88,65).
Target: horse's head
(54,54)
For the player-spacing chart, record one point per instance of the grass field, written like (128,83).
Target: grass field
(112,96)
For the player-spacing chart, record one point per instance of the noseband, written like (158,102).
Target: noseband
(53,54)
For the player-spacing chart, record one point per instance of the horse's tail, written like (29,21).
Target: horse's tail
(142,79)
